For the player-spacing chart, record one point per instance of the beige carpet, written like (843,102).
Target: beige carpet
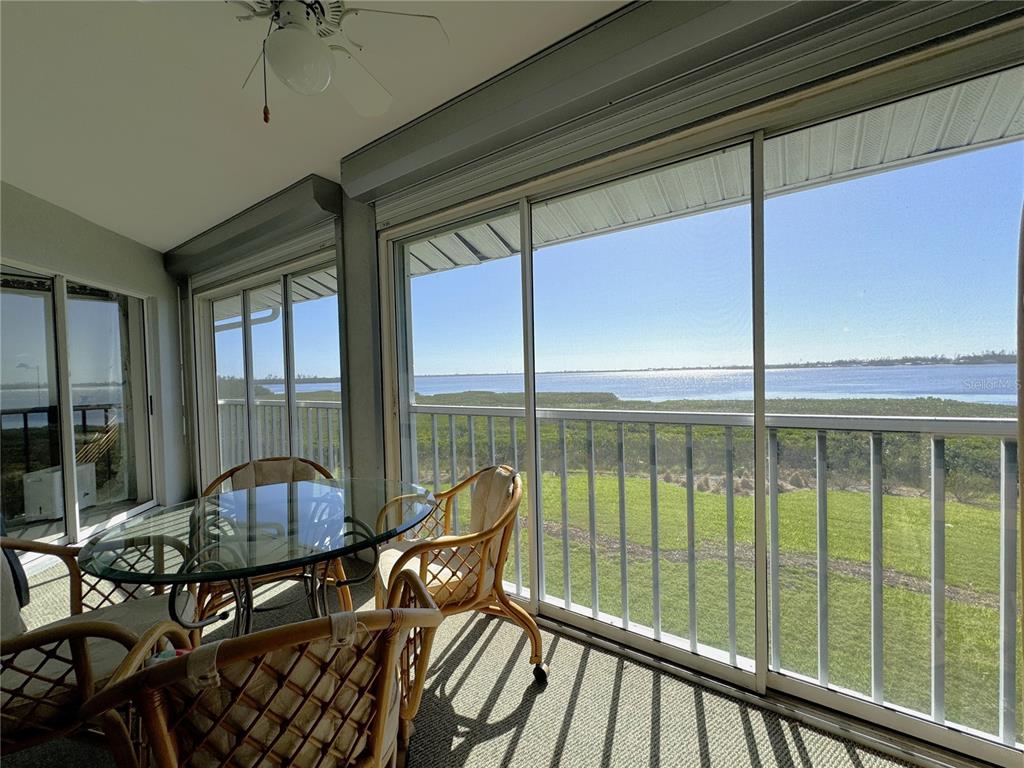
(481,707)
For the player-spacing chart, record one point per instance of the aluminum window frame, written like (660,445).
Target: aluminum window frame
(205,364)
(636,161)
(142,371)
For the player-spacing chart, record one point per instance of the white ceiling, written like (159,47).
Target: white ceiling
(131,114)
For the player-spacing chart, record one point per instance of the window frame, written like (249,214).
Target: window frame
(207,421)
(149,469)
(689,143)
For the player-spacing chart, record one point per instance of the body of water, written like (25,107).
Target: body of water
(992,383)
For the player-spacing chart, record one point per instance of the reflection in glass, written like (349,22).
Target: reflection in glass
(109,401)
(32,489)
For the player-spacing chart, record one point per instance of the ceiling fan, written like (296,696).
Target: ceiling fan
(299,49)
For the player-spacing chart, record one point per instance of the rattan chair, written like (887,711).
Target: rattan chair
(328,691)
(47,673)
(464,572)
(214,597)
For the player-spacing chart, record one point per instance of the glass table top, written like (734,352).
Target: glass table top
(244,533)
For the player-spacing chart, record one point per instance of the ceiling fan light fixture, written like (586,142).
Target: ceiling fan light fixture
(300,59)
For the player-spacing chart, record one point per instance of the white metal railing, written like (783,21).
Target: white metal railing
(318,431)
(446,425)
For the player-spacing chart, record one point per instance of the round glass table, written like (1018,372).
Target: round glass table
(235,536)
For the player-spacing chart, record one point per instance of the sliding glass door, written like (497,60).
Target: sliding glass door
(73,393)
(275,361)
(464,383)
(845,292)
(644,354)
(108,395)
(889,336)
(33,493)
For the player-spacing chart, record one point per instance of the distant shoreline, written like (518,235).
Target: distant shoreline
(879,363)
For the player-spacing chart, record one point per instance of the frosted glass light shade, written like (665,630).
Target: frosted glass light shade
(300,59)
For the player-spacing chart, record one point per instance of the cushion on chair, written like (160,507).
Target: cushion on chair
(11,623)
(271,472)
(104,655)
(489,501)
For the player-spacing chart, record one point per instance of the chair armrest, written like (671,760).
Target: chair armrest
(122,686)
(64,649)
(67,554)
(409,592)
(163,633)
(50,633)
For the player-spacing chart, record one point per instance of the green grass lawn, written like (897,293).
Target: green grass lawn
(972,562)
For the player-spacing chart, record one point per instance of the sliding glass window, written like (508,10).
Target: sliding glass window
(642,296)
(33,493)
(881,549)
(276,360)
(229,357)
(891,249)
(464,385)
(317,368)
(111,408)
(97,362)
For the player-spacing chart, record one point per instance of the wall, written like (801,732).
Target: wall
(40,236)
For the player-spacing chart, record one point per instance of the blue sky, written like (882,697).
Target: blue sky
(94,336)
(916,261)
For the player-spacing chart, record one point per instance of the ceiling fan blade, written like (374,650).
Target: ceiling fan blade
(362,89)
(252,69)
(419,24)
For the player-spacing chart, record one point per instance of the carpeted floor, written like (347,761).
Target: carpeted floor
(481,707)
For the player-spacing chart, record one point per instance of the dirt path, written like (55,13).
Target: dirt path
(804,561)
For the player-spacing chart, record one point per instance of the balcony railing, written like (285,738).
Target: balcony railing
(599,467)
(318,431)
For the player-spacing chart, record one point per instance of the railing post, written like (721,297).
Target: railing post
(773,556)
(454,475)
(730,541)
(26,438)
(434,445)
(691,542)
(655,552)
(514,441)
(490,440)
(566,582)
(938,650)
(877,574)
(821,465)
(592,510)
(472,444)
(1008,503)
(623,549)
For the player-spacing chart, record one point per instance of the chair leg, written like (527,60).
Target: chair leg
(340,577)
(519,615)
(119,742)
